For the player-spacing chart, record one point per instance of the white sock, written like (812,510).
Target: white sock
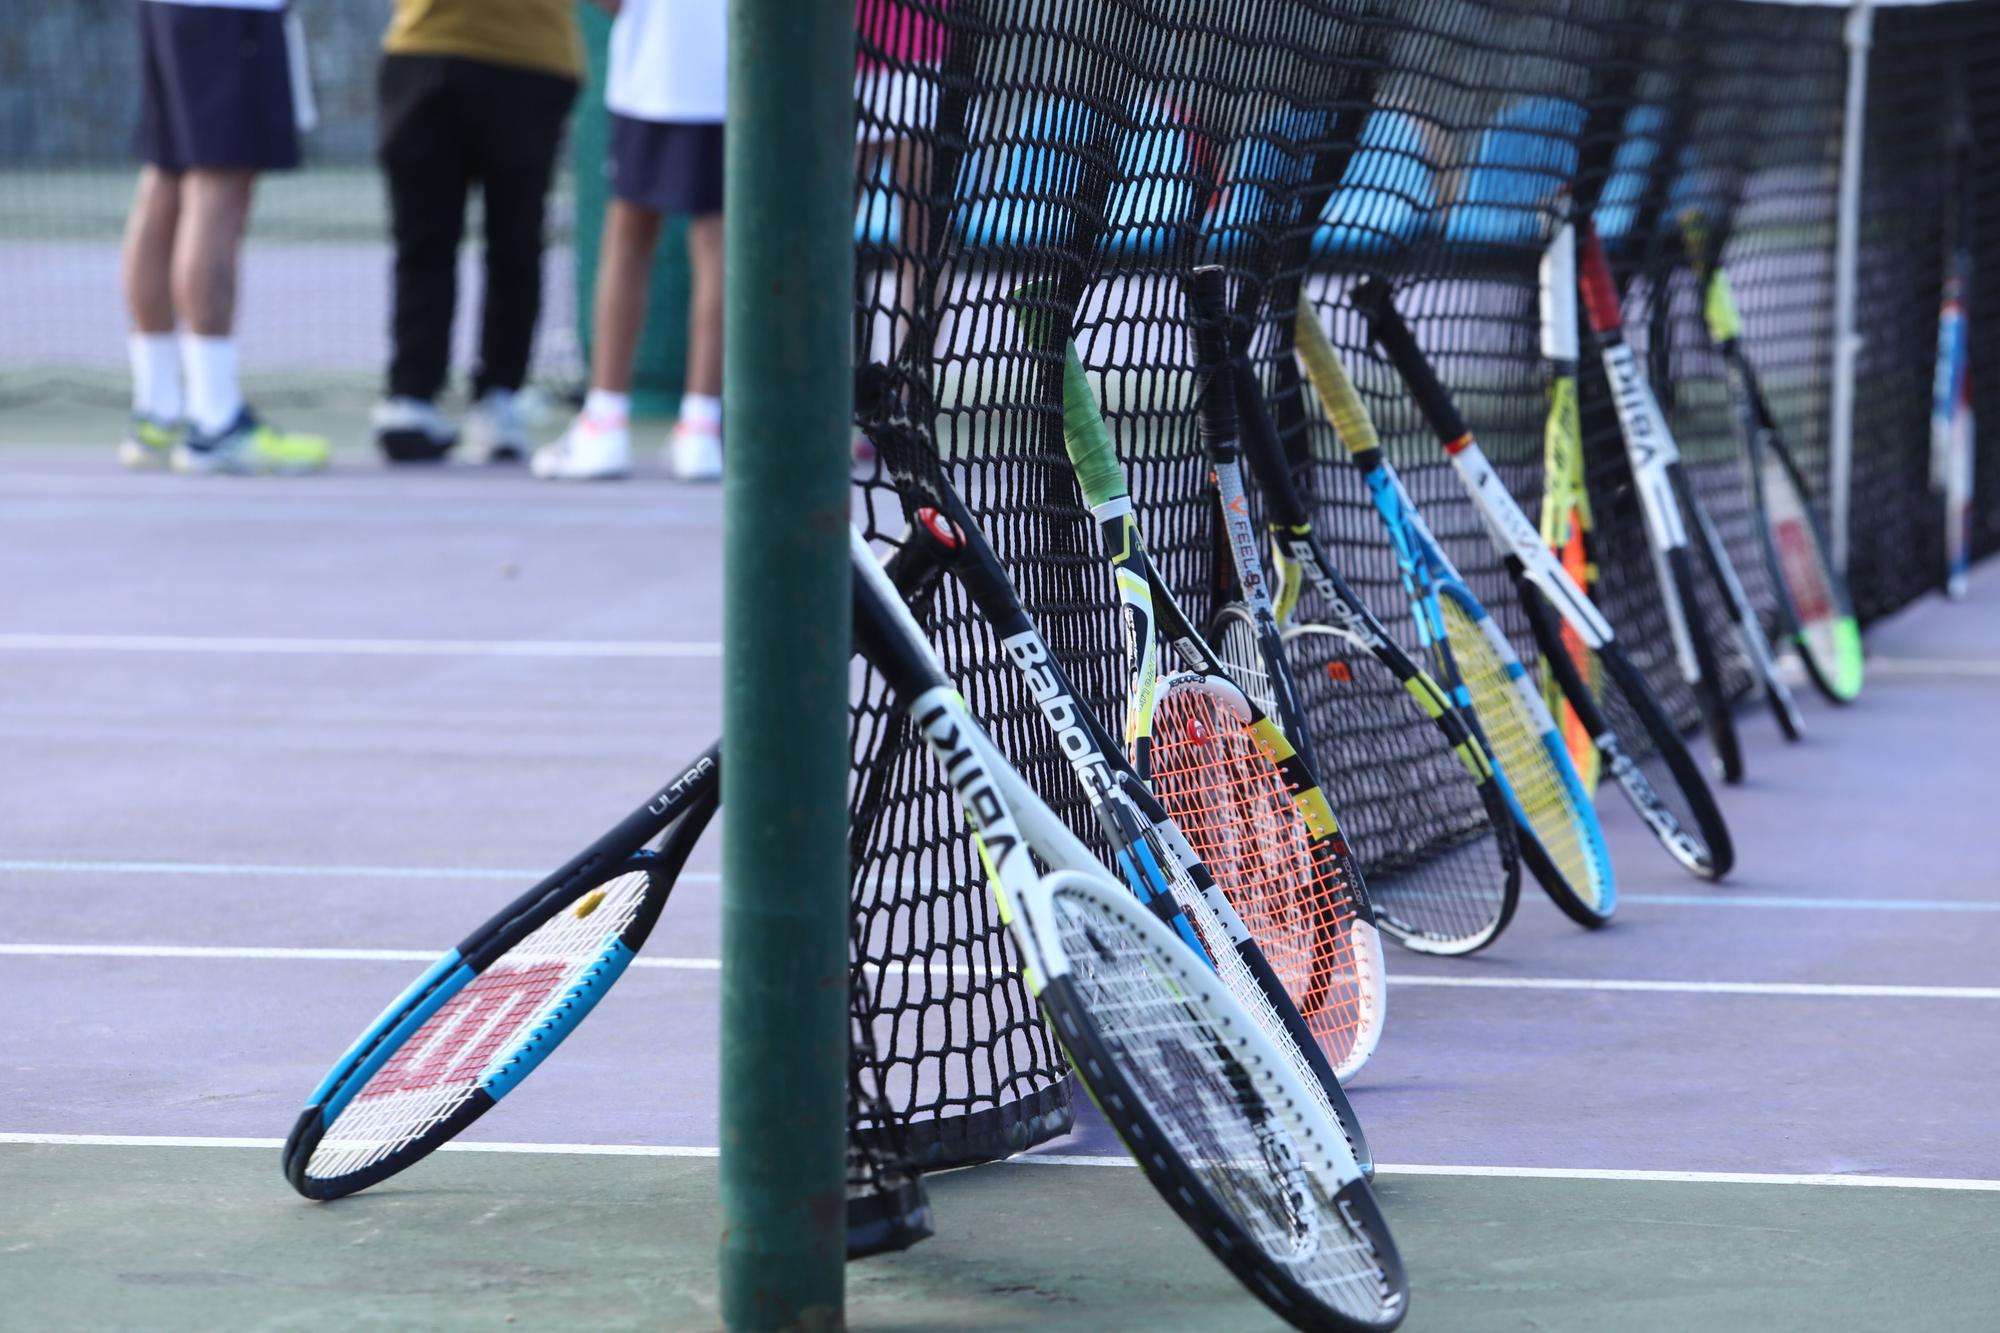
(702,411)
(605,408)
(213,396)
(156,376)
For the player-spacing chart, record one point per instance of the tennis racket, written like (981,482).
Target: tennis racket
(1555,823)
(1657,476)
(1421,807)
(1812,596)
(1664,784)
(1229,775)
(1212,1112)
(1160,865)
(1566,518)
(466,1032)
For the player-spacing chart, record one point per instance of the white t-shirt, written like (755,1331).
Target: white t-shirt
(668,60)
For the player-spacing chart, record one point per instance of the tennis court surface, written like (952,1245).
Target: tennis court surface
(272,746)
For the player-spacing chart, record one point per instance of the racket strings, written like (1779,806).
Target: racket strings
(1269,1163)
(1236,809)
(1514,738)
(1414,816)
(1625,719)
(494,1019)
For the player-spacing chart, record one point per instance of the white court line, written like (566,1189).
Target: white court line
(227,870)
(1934,666)
(530,875)
(1062,1159)
(252,644)
(1812,989)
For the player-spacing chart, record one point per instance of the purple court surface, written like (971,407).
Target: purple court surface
(270,746)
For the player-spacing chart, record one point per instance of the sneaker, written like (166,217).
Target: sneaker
(496,429)
(412,430)
(862,451)
(247,445)
(149,442)
(694,453)
(589,450)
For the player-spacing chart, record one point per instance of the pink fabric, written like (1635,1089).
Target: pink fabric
(903,34)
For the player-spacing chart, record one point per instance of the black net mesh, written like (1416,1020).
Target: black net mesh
(1104,149)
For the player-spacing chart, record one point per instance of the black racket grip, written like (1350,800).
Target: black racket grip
(1206,294)
(1261,447)
(1386,326)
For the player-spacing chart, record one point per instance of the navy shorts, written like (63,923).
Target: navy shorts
(667,166)
(215,88)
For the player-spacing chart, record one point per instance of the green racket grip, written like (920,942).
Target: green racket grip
(1718,297)
(1085,437)
(1330,381)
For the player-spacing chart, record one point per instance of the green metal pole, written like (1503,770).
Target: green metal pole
(787,404)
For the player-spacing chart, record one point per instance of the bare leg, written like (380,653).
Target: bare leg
(149,251)
(624,273)
(215,208)
(704,349)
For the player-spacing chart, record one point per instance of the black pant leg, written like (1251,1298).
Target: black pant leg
(521,115)
(425,154)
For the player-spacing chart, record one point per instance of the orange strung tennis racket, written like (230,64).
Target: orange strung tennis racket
(1242,795)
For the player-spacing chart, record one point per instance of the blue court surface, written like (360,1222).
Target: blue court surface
(270,746)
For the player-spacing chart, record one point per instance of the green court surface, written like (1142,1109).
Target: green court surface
(205,1237)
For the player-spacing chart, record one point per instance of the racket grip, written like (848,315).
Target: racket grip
(1261,447)
(1331,382)
(1215,395)
(1600,289)
(1085,438)
(1371,298)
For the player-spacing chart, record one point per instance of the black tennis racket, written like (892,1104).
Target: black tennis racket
(1661,485)
(1661,780)
(1419,801)
(467,1031)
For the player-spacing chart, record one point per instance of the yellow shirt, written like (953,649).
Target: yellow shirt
(533,34)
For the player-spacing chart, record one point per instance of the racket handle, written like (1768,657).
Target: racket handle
(1330,381)
(1261,447)
(1371,298)
(1206,292)
(1600,289)
(1085,438)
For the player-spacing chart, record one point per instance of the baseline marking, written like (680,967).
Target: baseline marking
(1812,989)
(225,870)
(1060,1159)
(1985,668)
(265,645)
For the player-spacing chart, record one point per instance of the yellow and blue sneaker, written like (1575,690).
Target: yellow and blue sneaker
(248,446)
(149,442)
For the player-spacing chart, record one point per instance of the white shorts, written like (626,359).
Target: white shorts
(893,103)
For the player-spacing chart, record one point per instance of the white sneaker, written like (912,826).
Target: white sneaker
(694,453)
(588,451)
(412,430)
(495,428)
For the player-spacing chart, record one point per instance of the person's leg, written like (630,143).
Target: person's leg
(425,160)
(215,210)
(515,159)
(631,238)
(704,350)
(157,404)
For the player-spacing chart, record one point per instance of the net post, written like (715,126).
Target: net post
(1859,30)
(787,402)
